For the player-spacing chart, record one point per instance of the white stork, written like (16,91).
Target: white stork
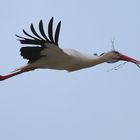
(43,51)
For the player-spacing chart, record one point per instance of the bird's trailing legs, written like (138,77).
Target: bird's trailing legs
(4,77)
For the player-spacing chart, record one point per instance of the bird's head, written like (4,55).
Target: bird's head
(115,56)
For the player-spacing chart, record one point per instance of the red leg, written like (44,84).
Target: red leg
(4,77)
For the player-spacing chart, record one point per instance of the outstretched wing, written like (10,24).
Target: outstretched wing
(41,39)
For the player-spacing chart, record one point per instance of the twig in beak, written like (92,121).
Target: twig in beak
(117,67)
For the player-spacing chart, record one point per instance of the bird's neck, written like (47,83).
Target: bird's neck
(95,60)
(87,61)
(80,61)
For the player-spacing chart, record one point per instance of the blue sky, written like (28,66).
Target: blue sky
(83,105)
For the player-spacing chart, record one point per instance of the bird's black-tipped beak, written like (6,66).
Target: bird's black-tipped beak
(129,59)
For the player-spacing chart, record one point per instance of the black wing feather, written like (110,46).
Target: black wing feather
(50,30)
(36,39)
(41,29)
(24,40)
(34,32)
(57,32)
(28,34)
(31,53)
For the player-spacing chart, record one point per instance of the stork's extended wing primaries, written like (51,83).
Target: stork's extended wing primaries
(37,39)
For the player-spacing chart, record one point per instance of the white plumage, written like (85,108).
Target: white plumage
(43,51)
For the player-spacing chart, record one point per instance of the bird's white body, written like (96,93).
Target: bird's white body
(64,59)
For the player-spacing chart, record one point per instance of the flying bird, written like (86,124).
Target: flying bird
(43,52)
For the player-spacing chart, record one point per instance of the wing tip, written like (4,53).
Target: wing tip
(37,38)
